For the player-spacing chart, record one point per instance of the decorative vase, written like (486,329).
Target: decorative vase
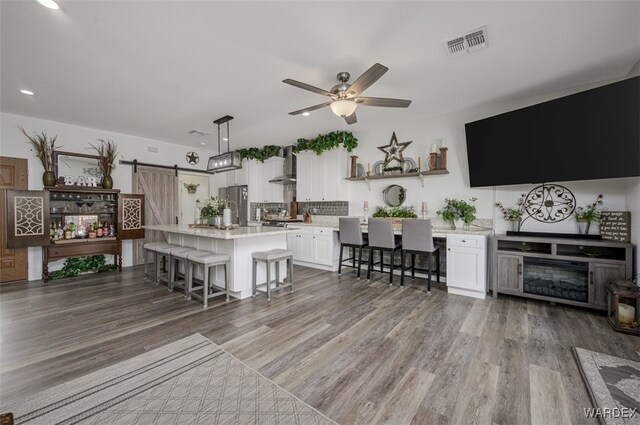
(583,227)
(191,191)
(49,178)
(107,182)
(215,220)
(515,225)
(458,224)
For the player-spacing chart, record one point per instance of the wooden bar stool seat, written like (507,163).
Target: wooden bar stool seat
(269,257)
(208,261)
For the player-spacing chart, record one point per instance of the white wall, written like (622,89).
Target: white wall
(456,184)
(73,138)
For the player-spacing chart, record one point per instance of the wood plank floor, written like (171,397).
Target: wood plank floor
(361,352)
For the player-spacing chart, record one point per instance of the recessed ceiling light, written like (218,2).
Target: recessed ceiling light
(27,92)
(225,139)
(50,4)
(203,143)
(305,114)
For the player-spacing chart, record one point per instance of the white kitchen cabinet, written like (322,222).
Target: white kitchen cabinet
(259,174)
(238,177)
(466,265)
(315,247)
(321,178)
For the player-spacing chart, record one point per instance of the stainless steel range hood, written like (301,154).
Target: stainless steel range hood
(289,168)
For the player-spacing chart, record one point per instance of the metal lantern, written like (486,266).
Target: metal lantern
(623,306)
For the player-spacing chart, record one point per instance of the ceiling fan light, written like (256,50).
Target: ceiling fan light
(343,108)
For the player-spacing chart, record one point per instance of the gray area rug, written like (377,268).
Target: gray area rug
(190,381)
(613,384)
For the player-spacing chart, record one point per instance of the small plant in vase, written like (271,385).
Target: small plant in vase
(43,146)
(588,214)
(191,187)
(458,211)
(107,152)
(513,214)
(211,210)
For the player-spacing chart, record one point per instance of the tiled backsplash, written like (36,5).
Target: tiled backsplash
(337,208)
(333,208)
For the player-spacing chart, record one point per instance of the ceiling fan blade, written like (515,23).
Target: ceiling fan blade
(305,86)
(310,108)
(351,119)
(369,77)
(383,101)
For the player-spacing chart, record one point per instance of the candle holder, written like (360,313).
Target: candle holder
(366,215)
(354,166)
(424,214)
(623,304)
(443,158)
(433,157)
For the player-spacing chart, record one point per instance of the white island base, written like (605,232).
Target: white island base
(238,244)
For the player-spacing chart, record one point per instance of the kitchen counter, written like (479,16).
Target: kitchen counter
(237,233)
(437,231)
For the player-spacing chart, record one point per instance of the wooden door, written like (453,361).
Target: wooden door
(160,190)
(600,275)
(13,262)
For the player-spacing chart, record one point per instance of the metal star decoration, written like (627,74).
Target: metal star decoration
(393,150)
(193,158)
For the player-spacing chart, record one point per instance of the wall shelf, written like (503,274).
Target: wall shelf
(421,176)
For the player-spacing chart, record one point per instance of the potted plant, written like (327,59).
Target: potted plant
(107,152)
(43,146)
(211,210)
(513,214)
(458,211)
(588,214)
(396,214)
(392,170)
(191,187)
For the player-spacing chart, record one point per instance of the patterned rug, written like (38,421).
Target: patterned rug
(190,381)
(614,387)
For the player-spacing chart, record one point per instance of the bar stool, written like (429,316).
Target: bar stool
(209,261)
(268,257)
(163,252)
(381,238)
(417,239)
(350,235)
(150,248)
(176,256)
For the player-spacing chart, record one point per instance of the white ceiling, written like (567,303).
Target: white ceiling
(159,69)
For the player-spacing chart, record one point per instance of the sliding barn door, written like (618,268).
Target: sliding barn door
(160,190)
(13,261)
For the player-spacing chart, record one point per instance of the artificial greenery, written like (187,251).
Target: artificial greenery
(512,213)
(212,207)
(107,152)
(325,142)
(75,266)
(458,209)
(43,146)
(591,213)
(391,169)
(192,186)
(395,212)
(260,154)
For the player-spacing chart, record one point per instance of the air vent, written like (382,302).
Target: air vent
(465,44)
(195,132)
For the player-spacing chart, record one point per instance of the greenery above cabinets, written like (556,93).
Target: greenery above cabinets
(325,142)
(320,144)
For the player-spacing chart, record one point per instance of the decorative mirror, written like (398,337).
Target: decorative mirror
(394,195)
(76,165)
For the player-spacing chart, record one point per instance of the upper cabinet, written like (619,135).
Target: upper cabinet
(259,174)
(321,178)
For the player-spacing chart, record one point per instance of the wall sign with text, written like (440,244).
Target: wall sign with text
(615,226)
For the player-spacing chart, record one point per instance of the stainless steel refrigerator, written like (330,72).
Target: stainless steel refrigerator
(237,195)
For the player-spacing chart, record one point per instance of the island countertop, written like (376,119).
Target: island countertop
(237,233)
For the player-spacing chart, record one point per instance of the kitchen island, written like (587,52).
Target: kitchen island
(238,243)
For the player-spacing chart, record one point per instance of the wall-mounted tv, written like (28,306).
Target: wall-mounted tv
(594,134)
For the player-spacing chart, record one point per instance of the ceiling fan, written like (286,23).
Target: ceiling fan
(345,97)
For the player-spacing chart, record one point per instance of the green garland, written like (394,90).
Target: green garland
(325,142)
(258,154)
(75,266)
(395,212)
(322,143)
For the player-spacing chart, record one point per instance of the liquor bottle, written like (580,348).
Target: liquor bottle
(105,229)
(72,228)
(67,232)
(52,231)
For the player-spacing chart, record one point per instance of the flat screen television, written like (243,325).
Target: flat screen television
(594,134)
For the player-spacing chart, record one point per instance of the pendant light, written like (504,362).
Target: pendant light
(227,161)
